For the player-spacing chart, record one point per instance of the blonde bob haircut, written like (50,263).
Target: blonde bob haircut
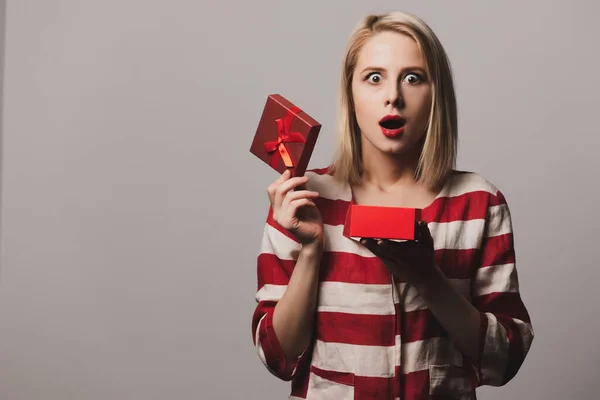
(438,154)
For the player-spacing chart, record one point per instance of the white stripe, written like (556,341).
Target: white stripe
(412,300)
(499,220)
(295,398)
(457,235)
(354,298)
(270,292)
(360,298)
(379,361)
(327,187)
(494,358)
(497,278)
(335,241)
(446,235)
(418,356)
(373,361)
(470,182)
(320,388)
(275,242)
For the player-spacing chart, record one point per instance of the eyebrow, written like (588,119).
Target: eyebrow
(380,69)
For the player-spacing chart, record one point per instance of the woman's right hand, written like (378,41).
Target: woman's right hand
(294,209)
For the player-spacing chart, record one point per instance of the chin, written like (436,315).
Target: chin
(392,146)
(396,145)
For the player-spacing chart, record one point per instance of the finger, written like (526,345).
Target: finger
(286,186)
(302,186)
(370,244)
(386,247)
(290,196)
(275,184)
(271,192)
(393,250)
(284,176)
(296,204)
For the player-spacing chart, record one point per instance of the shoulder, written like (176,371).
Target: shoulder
(322,180)
(481,199)
(473,184)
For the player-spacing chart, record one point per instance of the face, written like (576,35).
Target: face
(391,81)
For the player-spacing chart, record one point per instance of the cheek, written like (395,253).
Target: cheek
(359,104)
(421,107)
(364,104)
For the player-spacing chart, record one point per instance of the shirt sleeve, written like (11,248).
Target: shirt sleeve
(276,260)
(506,332)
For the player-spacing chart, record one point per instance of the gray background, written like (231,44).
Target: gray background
(132,210)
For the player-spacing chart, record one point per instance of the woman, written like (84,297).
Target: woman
(366,319)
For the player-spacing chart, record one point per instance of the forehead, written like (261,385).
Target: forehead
(390,50)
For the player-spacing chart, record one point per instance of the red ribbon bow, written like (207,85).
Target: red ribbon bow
(284,136)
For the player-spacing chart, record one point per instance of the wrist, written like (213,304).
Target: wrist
(314,248)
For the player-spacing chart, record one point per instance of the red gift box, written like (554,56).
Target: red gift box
(285,137)
(377,222)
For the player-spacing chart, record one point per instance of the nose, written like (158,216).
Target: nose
(394,97)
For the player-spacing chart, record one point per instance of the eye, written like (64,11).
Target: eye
(374,77)
(412,78)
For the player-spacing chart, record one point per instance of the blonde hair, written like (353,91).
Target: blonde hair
(438,155)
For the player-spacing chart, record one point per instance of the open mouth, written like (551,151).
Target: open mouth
(392,125)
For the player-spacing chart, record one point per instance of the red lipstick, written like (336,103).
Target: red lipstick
(392,125)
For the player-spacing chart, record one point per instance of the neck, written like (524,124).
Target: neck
(386,171)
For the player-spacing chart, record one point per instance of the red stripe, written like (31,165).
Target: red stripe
(272,270)
(273,350)
(497,199)
(456,263)
(333,211)
(261,309)
(277,226)
(373,388)
(352,268)
(420,325)
(503,303)
(497,250)
(356,328)
(415,386)
(321,171)
(344,378)
(465,207)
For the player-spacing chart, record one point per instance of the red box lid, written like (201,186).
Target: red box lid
(285,137)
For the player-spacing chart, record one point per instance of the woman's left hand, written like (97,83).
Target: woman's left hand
(411,261)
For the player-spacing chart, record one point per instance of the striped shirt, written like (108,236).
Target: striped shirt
(374,336)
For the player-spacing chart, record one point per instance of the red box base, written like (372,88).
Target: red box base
(394,223)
